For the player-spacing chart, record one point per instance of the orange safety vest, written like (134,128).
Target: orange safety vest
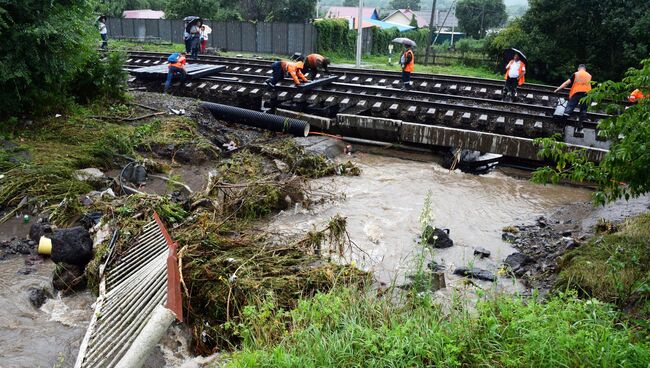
(635,96)
(522,70)
(409,67)
(180,63)
(581,83)
(294,70)
(314,61)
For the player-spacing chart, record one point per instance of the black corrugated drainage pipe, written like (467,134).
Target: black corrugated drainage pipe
(298,128)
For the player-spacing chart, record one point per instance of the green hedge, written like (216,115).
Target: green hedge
(381,38)
(334,37)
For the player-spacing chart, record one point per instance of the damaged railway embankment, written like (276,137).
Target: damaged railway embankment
(226,262)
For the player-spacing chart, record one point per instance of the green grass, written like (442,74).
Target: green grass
(369,61)
(353,328)
(613,267)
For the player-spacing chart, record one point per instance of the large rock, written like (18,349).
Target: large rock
(516,263)
(39,229)
(475,273)
(38,296)
(72,245)
(437,238)
(68,278)
(481,252)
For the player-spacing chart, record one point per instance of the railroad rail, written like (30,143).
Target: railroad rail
(462,87)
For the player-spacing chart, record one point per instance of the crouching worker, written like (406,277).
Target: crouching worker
(635,96)
(315,63)
(293,69)
(176,66)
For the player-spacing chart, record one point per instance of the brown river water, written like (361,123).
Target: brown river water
(383,207)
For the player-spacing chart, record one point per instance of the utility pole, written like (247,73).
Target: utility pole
(482,18)
(431,25)
(359,33)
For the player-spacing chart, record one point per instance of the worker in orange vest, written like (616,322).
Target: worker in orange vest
(580,84)
(176,66)
(280,68)
(314,63)
(515,72)
(407,60)
(635,96)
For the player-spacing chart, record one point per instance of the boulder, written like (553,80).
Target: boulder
(482,252)
(437,238)
(509,237)
(72,245)
(516,263)
(68,278)
(38,296)
(475,273)
(91,175)
(40,228)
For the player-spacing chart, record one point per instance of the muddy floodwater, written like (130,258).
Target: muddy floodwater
(383,208)
(44,337)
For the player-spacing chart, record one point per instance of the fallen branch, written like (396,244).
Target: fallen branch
(127,119)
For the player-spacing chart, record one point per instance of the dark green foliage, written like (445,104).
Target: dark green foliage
(47,47)
(381,38)
(295,11)
(178,9)
(477,16)
(413,22)
(103,76)
(405,4)
(624,171)
(333,37)
(608,35)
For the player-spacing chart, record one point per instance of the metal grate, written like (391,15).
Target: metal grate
(130,289)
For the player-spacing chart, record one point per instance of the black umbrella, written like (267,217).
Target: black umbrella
(510,53)
(190,21)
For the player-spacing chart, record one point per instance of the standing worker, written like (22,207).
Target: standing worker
(314,63)
(281,67)
(580,84)
(407,60)
(195,39)
(103,31)
(515,72)
(176,66)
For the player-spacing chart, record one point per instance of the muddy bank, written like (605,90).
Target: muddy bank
(546,238)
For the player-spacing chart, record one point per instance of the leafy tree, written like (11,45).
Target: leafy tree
(178,9)
(624,171)
(414,22)
(609,36)
(477,16)
(405,4)
(48,47)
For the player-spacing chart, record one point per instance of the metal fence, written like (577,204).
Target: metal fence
(275,38)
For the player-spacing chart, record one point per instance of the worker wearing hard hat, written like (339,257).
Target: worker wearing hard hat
(580,82)
(293,69)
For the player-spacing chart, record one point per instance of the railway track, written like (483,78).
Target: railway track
(487,89)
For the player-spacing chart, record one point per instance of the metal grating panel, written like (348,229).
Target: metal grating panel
(130,289)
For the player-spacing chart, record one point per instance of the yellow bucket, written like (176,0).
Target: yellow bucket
(45,246)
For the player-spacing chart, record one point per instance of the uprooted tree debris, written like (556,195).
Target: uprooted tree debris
(226,261)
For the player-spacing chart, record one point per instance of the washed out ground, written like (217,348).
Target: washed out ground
(382,207)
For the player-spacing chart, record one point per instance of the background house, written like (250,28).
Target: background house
(143,14)
(404,16)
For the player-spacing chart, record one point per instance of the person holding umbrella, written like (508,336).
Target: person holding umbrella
(515,75)
(407,61)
